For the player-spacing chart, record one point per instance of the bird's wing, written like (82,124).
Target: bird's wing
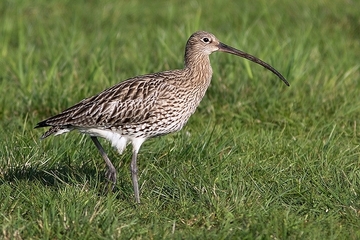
(127,102)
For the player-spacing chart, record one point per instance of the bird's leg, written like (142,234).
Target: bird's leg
(134,176)
(111,171)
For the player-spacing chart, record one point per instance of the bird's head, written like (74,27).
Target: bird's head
(202,44)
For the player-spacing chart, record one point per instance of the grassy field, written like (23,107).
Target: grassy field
(258,160)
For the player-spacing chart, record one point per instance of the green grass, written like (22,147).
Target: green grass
(258,160)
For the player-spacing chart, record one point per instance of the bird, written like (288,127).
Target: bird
(146,106)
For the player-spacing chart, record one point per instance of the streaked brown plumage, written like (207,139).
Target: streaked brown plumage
(146,106)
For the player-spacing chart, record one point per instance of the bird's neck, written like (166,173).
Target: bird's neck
(199,73)
(198,68)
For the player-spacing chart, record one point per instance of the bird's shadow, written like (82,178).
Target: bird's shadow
(50,176)
(85,176)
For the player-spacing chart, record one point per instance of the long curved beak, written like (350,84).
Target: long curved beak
(225,48)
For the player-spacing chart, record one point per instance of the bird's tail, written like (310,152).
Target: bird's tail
(54,130)
(51,131)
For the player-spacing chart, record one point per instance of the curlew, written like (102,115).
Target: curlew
(146,106)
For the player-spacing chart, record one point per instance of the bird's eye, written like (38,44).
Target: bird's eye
(206,40)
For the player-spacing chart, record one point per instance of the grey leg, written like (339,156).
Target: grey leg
(111,171)
(134,175)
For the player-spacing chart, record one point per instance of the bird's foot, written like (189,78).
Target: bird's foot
(110,176)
